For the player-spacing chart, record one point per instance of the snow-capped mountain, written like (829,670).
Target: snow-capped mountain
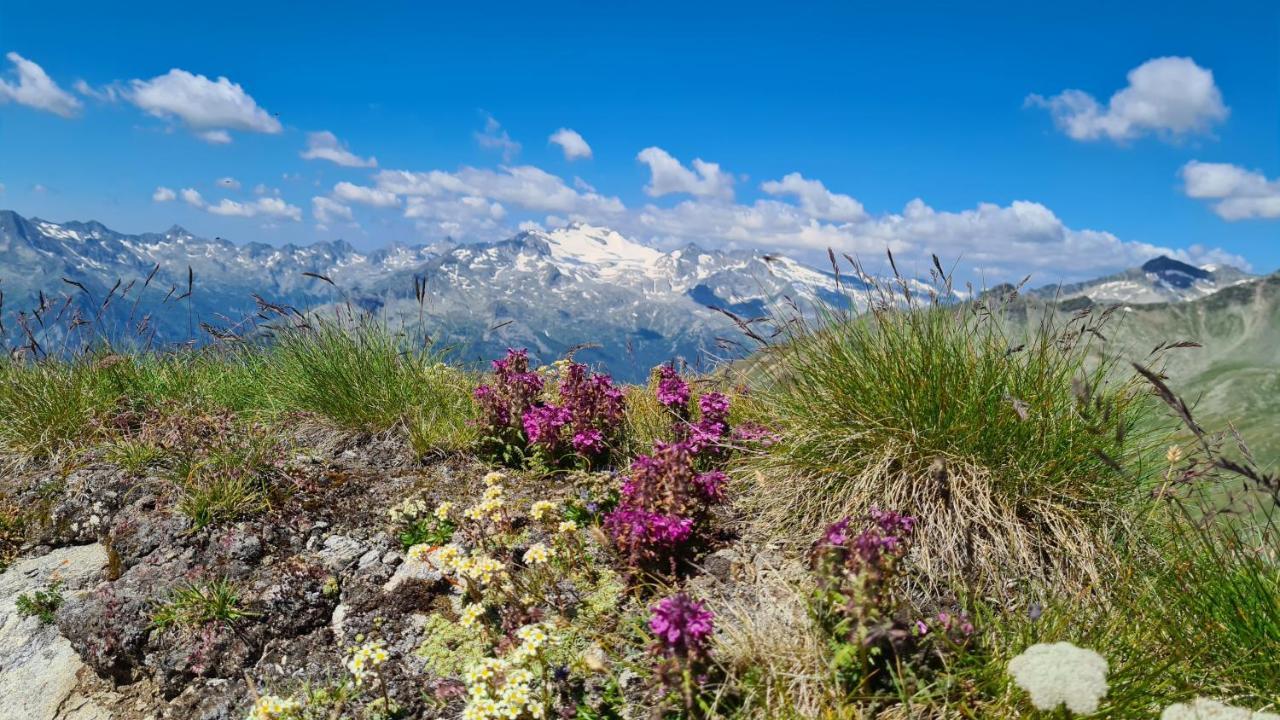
(1159,280)
(545,290)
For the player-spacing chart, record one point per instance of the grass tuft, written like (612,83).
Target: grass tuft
(1005,447)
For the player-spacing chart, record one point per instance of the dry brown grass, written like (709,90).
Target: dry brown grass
(971,534)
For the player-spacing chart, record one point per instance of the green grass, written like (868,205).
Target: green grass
(196,604)
(42,604)
(355,375)
(229,478)
(47,406)
(131,455)
(362,377)
(1003,445)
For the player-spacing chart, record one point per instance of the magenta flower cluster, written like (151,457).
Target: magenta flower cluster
(514,390)
(672,391)
(682,626)
(663,501)
(871,554)
(582,418)
(668,494)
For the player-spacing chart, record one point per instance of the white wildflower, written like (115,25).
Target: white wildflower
(1061,673)
(1206,709)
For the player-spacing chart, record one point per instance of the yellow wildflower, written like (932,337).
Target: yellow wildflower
(541,509)
(537,554)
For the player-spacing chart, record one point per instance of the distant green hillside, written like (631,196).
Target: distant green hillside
(1235,375)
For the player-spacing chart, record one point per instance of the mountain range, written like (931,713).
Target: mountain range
(634,306)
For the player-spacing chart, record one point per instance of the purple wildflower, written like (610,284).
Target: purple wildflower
(673,391)
(714,407)
(682,626)
(712,485)
(837,534)
(647,531)
(542,424)
(589,441)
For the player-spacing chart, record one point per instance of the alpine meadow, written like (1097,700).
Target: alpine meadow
(463,386)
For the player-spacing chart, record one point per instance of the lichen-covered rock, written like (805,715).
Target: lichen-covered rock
(38,667)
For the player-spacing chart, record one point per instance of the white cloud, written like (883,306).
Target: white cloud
(210,108)
(1170,96)
(262,189)
(668,176)
(816,199)
(2,187)
(797,215)
(36,89)
(466,216)
(106,93)
(192,197)
(524,186)
(1238,194)
(326,210)
(229,182)
(1008,241)
(163,194)
(324,145)
(267,206)
(39,188)
(571,143)
(494,137)
(365,195)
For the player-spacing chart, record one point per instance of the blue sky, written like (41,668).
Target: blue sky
(1065,141)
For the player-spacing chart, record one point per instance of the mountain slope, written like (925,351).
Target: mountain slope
(1159,280)
(1233,376)
(546,290)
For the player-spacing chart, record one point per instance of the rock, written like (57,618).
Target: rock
(339,552)
(38,667)
(723,564)
(416,571)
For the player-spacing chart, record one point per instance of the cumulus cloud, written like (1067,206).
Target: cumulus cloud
(326,210)
(1235,193)
(365,195)
(494,137)
(1005,242)
(163,194)
(209,108)
(571,143)
(667,176)
(35,89)
(1168,96)
(192,197)
(324,145)
(796,215)
(524,186)
(266,207)
(464,216)
(816,199)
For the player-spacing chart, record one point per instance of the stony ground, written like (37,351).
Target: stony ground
(317,573)
(314,573)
